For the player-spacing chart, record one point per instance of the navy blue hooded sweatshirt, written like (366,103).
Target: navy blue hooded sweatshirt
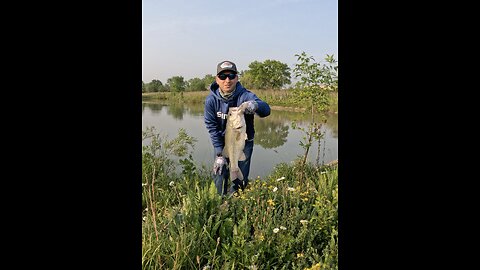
(216,111)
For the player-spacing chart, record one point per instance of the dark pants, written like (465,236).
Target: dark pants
(221,181)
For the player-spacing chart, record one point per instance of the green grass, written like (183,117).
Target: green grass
(277,99)
(189,97)
(279,222)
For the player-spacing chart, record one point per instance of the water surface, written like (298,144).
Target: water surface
(275,139)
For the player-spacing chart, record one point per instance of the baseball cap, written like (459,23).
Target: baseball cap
(226,65)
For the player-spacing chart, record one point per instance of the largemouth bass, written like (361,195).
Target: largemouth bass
(235,136)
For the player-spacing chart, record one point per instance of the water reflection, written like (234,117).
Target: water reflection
(332,123)
(270,134)
(176,110)
(155,108)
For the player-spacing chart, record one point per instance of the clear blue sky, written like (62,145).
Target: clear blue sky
(189,37)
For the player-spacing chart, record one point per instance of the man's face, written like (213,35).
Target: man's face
(227,85)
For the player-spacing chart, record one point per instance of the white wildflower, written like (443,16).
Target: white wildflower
(324,172)
(275,189)
(144,184)
(303,221)
(290,189)
(144,218)
(281,178)
(172,183)
(276,230)
(283,228)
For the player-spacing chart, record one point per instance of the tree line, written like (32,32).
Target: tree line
(269,74)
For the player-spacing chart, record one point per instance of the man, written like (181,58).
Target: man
(227,92)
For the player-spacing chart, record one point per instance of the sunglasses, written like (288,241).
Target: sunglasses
(231,76)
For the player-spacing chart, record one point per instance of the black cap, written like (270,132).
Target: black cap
(226,65)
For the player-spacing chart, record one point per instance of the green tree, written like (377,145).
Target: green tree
(196,84)
(208,80)
(247,80)
(270,74)
(176,84)
(315,80)
(144,89)
(154,86)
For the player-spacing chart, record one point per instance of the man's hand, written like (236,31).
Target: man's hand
(218,165)
(249,107)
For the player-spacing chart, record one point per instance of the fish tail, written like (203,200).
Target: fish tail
(240,174)
(236,174)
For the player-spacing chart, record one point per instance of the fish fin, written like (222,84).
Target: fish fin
(240,175)
(242,156)
(236,175)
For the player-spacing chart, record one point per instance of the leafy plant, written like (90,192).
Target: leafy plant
(312,89)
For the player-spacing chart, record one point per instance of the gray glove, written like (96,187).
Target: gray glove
(218,165)
(249,107)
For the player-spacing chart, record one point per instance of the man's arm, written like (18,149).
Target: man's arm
(216,133)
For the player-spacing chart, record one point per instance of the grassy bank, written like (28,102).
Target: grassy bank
(279,222)
(277,99)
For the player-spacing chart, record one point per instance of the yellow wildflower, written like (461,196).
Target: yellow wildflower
(261,237)
(271,202)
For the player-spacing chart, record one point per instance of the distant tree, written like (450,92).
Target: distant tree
(208,80)
(144,89)
(195,84)
(154,86)
(271,74)
(247,80)
(176,84)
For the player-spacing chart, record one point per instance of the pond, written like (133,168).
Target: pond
(275,139)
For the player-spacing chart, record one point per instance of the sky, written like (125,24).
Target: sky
(190,37)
